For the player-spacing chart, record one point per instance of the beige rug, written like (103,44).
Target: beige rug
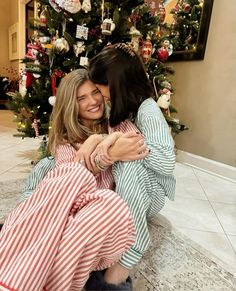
(172,263)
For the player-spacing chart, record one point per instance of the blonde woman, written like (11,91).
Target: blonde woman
(73,223)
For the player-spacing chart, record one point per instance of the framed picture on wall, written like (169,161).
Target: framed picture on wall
(13,34)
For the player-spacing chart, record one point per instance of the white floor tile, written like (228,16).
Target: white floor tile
(187,184)
(226,214)
(232,239)
(217,189)
(192,213)
(216,243)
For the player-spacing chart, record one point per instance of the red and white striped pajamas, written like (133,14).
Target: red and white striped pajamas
(66,229)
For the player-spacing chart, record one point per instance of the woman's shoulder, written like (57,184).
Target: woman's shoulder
(148,109)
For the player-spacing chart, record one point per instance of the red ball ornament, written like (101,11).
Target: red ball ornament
(162,54)
(186,7)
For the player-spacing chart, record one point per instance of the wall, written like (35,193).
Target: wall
(8,16)
(206,92)
(14,12)
(4,24)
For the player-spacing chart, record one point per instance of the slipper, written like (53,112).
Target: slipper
(96,283)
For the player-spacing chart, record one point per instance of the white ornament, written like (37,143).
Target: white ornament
(164,99)
(79,47)
(107,26)
(86,6)
(167,45)
(72,6)
(83,61)
(52,100)
(44,39)
(135,36)
(61,45)
(82,32)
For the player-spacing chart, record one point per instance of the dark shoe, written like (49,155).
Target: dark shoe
(96,283)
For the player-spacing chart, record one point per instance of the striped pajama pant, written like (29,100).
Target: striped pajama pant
(144,198)
(66,229)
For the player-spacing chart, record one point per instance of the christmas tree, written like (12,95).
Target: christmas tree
(184,29)
(70,32)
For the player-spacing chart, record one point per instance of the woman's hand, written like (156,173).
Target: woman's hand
(129,147)
(86,149)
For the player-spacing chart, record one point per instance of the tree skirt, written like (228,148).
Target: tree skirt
(173,262)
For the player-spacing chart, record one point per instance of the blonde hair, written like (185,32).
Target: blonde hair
(66,127)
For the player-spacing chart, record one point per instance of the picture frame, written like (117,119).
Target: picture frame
(13,34)
(199,52)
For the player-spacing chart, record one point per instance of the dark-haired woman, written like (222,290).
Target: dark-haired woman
(119,74)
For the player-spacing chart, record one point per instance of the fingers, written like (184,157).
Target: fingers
(140,155)
(106,160)
(141,148)
(131,134)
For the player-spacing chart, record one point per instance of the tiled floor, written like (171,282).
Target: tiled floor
(204,209)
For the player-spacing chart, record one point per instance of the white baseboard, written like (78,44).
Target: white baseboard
(207,165)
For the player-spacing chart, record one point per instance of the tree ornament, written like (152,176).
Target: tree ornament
(167,45)
(82,32)
(55,5)
(186,7)
(84,61)
(61,45)
(86,6)
(107,26)
(29,80)
(43,17)
(161,13)
(56,74)
(189,39)
(153,6)
(22,88)
(36,127)
(72,6)
(166,85)
(164,99)
(52,100)
(79,47)
(162,54)
(25,113)
(37,69)
(135,38)
(44,39)
(146,49)
(33,50)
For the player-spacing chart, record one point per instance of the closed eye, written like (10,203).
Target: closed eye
(79,98)
(95,92)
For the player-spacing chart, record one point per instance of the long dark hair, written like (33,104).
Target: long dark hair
(122,69)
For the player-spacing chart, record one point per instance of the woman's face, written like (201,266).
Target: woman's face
(104,89)
(90,103)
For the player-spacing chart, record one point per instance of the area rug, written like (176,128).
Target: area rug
(173,262)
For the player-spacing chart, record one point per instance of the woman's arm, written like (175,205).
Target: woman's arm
(128,146)
(157,136)
(116,146)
